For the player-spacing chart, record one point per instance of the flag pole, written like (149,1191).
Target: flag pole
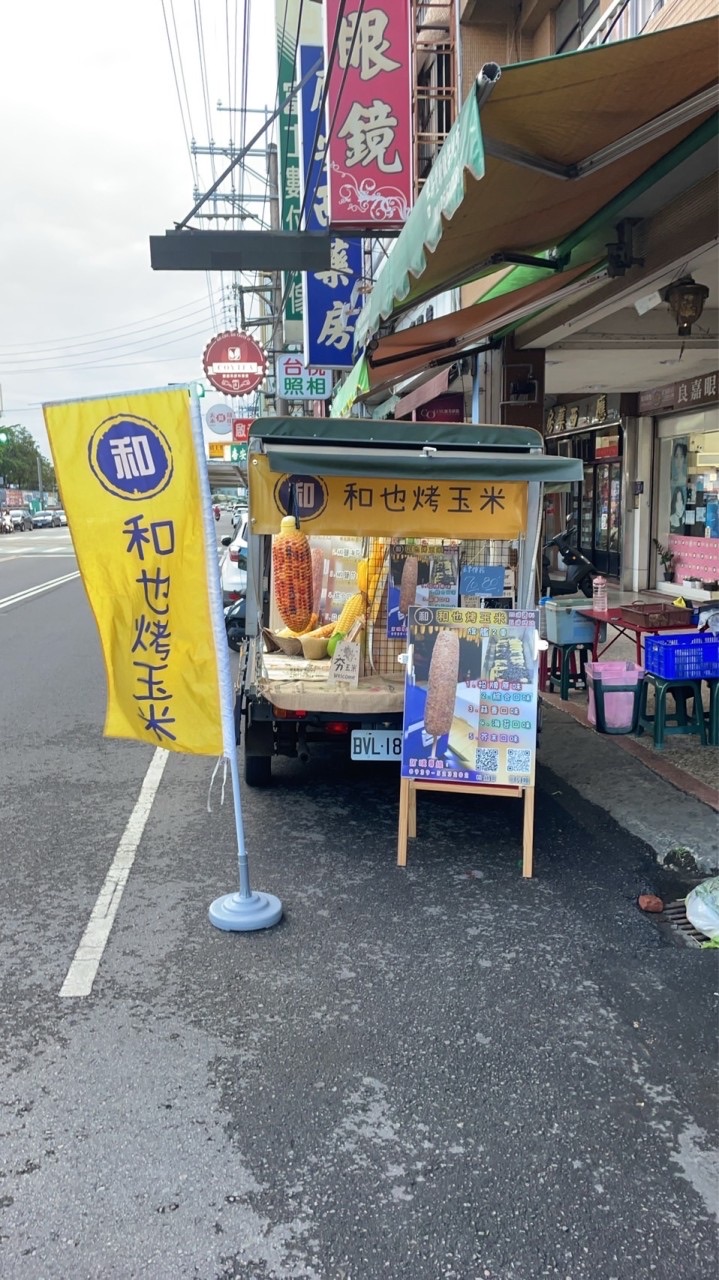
(248,909)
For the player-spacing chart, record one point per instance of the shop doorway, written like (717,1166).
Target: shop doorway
(595,506)
(603,488)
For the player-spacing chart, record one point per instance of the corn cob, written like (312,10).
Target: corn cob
(320,633)
(292,576)
(442,684)
(408,583)
(374,567)
(362,576)
(353,608)
(318,566)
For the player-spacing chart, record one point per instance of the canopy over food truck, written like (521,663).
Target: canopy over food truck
(379,518)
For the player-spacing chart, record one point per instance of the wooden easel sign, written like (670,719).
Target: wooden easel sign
(470,710)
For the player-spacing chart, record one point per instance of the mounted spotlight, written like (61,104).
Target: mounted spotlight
(686,299)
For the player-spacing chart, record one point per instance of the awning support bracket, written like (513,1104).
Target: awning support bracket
(553,262)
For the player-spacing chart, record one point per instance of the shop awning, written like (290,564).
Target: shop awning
(538,149)
(356,382)
(439,342)
(393,450)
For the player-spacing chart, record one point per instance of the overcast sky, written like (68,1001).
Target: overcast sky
(93,161)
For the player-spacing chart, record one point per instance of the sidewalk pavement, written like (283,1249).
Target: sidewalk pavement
(682,762)
(665,806)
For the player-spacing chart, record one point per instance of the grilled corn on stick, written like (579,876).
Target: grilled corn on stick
(442,685)
(408,583)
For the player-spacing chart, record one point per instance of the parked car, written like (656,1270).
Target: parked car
(42,520)
(21,517)
(233,566)
(58,517)
(239,514)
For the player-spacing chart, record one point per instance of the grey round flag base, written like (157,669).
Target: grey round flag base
(256,911)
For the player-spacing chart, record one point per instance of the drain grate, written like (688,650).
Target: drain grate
(676,915)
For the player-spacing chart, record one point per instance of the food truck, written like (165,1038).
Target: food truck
(385,557)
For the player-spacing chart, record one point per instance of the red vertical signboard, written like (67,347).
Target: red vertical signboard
(369,151)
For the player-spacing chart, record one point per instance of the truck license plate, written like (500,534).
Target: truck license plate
(376,744)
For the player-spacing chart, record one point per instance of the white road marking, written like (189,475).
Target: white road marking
(86,961)
(20,596)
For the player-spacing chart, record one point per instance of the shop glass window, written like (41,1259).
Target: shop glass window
(574,19)
(630,20)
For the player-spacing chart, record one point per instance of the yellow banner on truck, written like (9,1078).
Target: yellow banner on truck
(129,471)
(386,508)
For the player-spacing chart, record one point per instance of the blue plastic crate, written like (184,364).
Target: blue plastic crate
(694,657)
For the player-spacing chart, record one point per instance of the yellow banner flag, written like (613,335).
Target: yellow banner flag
(129,473)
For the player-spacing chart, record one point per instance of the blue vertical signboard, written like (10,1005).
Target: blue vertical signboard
(329,310)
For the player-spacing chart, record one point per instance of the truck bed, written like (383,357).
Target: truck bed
(294,684)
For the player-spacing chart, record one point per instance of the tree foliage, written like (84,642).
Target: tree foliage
(18,460)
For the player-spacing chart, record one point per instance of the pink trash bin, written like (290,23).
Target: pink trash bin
(613,692)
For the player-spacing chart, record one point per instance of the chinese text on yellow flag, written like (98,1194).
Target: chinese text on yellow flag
(130,482)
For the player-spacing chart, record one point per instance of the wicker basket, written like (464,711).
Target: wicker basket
(661,616)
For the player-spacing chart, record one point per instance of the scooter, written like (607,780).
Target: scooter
(6,524)
(580,570)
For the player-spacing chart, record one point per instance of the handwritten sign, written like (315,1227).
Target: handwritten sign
(346,663)
(481,580)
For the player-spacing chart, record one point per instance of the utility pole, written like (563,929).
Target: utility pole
(39,478)
(274,202)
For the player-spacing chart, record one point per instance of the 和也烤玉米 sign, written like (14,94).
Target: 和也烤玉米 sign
(330,299)
(470,711)
(129,471)
(296,382)
(383,508)
(369,154)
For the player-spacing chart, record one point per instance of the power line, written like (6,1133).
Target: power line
(101,338)
(115,331)
(23,363)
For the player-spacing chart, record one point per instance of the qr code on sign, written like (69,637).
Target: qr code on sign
(518,761)
(487,760)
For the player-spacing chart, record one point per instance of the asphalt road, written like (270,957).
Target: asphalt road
(443,1073)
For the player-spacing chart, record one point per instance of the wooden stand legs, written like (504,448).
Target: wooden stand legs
(408,789)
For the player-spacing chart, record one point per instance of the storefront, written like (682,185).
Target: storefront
(685,506)
(592,430)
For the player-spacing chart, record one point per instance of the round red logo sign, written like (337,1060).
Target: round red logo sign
(234,363)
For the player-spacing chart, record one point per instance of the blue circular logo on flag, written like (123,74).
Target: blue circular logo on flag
(130,457)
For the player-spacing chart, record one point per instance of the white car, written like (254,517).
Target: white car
(233,566)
